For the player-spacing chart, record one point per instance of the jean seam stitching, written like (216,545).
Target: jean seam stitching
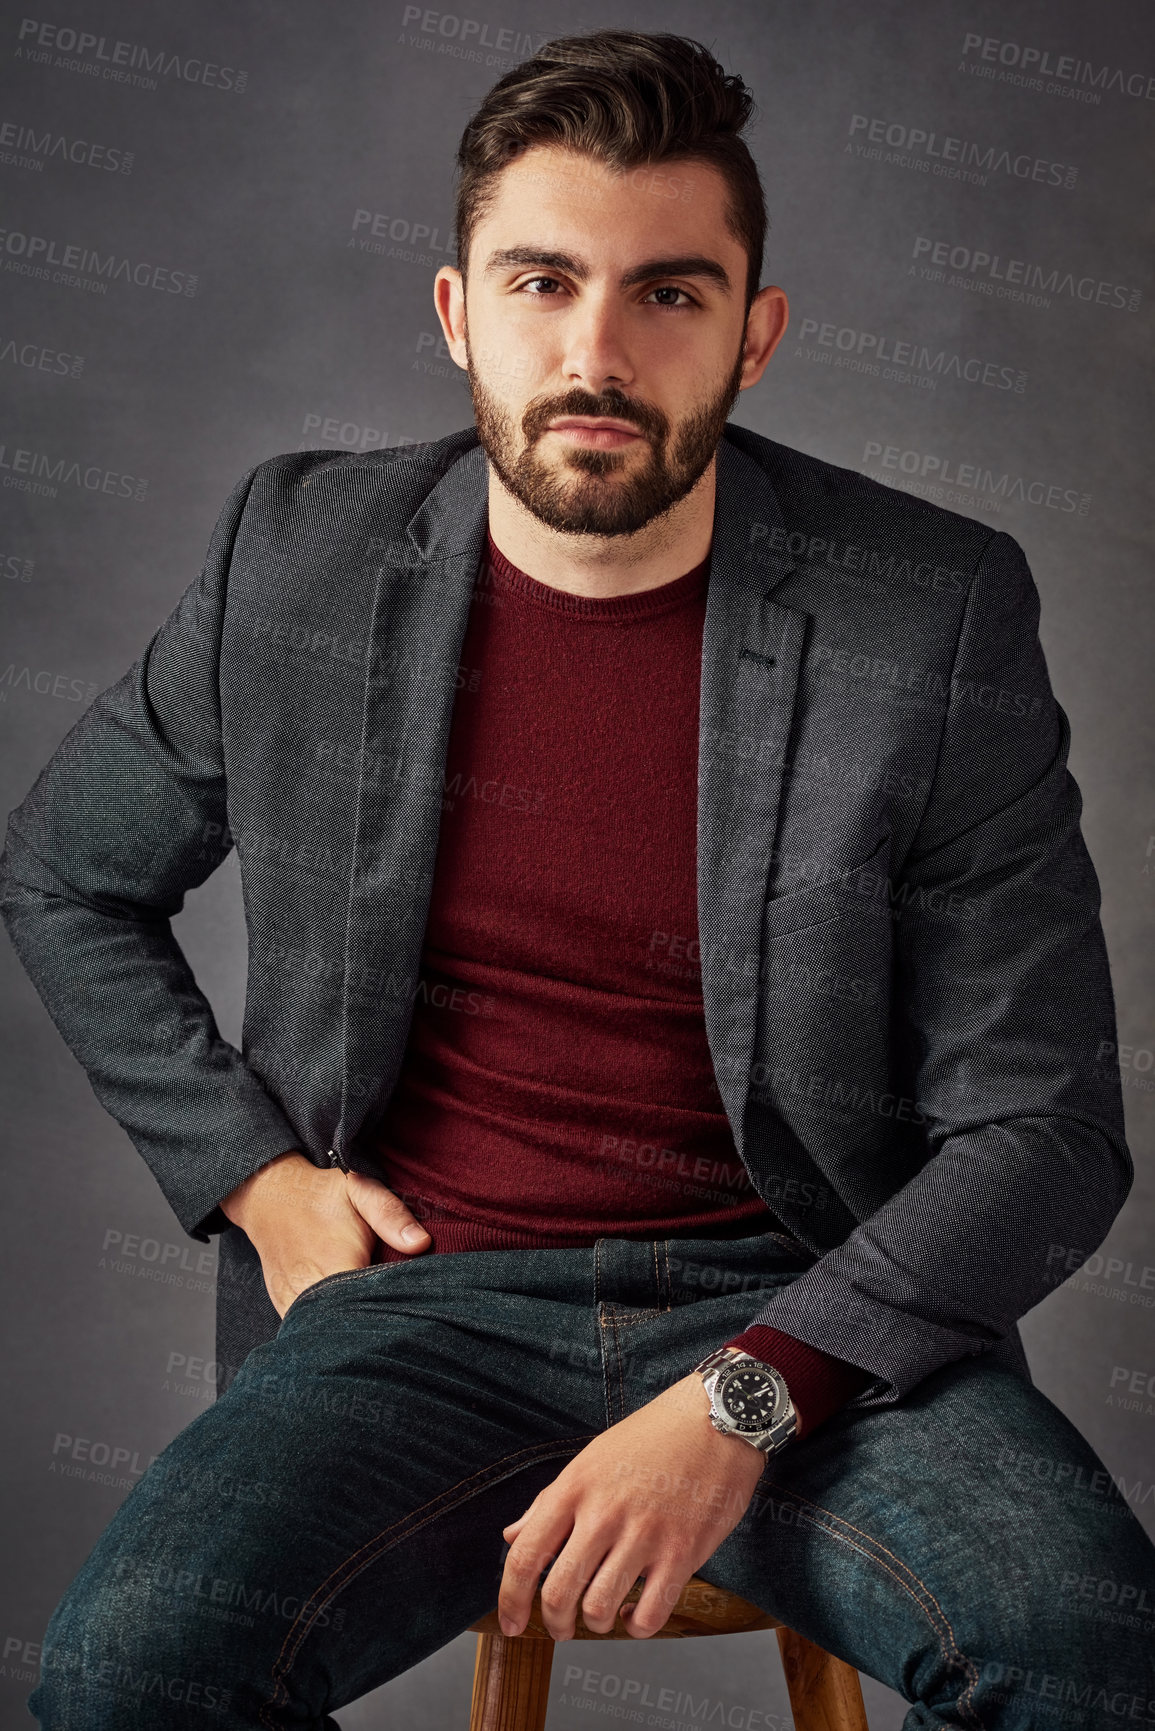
(952,1653)
(607,1383)
(285,1660)
(621,1372)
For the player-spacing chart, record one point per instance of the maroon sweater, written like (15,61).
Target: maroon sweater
(557,1084)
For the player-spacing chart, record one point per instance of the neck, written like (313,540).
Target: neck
(601,565)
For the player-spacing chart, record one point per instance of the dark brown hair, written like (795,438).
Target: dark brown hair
(628,100)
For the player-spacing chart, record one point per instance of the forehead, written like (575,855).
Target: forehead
(560,194)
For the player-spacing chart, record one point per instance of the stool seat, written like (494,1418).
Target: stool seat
(511,1676)
(701,1610)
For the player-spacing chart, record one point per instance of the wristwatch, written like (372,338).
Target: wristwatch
(748,1399)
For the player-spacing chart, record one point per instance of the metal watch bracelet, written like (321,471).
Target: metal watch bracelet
(712,1370)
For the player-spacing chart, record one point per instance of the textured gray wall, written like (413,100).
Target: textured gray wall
(239,189)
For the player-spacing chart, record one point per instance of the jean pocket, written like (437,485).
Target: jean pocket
(339,1277)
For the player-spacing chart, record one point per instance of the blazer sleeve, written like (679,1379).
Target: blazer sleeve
(128,814)
(1001,1011)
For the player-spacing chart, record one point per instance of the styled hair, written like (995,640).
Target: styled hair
(626,99)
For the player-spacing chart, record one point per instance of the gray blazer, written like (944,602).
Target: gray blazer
(903,969)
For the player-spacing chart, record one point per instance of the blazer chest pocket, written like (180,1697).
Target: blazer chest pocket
(858,896)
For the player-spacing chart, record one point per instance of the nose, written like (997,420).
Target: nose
(595,353)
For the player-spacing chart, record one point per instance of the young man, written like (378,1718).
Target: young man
(674,978)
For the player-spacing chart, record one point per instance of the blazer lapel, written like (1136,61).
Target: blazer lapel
(751,659)
(420,612)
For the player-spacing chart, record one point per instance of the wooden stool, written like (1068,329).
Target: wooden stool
(511,1677)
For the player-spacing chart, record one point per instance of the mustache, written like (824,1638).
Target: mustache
(649,421)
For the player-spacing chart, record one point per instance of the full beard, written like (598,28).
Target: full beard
(575,494)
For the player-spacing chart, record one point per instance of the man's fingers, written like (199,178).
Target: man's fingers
(660,1594)
(386,1214)
(603,1597)
(535,1550)
(519,1579)
(588,1571)
(515,1527)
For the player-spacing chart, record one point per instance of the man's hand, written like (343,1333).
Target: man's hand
(305,1222)
(655,1495)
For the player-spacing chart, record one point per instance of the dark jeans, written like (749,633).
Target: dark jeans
(337,1515)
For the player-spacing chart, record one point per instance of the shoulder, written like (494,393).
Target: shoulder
(396,476)
(828,510)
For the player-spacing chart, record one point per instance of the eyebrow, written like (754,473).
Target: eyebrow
(680,264)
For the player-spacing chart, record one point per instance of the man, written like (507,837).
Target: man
(642,1267)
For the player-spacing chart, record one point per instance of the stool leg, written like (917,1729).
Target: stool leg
(825,1694)
(510,1684)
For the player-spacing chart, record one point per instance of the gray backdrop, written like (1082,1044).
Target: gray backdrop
(956,193)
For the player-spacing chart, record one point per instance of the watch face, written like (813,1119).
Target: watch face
(750,1399)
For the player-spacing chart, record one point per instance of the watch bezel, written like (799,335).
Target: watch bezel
(783,1405)
(723,1362)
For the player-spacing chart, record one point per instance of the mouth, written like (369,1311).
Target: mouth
(599,431)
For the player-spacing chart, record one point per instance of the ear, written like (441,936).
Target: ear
(449,299)
(765,327)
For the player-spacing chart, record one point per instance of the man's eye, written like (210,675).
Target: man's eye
(670,289)
(678,305)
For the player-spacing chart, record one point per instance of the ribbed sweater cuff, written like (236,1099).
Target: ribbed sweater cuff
(818,1384)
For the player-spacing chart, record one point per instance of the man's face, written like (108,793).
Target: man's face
(596,294)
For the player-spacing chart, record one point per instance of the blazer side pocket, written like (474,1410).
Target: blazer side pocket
(855,893)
